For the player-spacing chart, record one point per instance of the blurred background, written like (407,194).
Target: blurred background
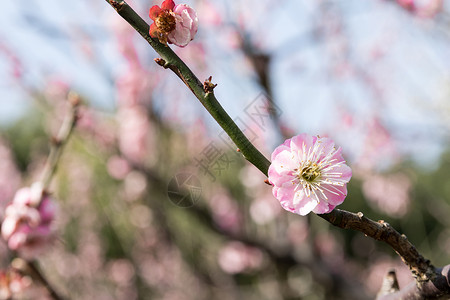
(154,201)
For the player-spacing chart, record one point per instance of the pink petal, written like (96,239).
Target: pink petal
(345,170)
(285,162)
(23,196)
(189,17)
(47,210)
(298,141)
(326,147)
(286,192)
(186,25)
(282,147)
(323,207)
(17,240)
(9,225)
(335,194)
(276,178)
(306,205)
(181,36)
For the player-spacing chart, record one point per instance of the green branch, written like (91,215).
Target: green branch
(203,93)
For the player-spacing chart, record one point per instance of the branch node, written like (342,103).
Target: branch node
(360,215)
(74,99)
(55,141)
(117,5)
(208,86)
(162,62)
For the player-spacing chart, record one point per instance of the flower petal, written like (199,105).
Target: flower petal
(297,143)
(153,31)
(323,207)
(335,194)
(168,4)
(304,204)
(181,36)
(282,147)
(154,12)
(284,162)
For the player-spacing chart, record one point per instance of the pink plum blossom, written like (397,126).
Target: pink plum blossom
(308,174)
(176,24)
(26,226)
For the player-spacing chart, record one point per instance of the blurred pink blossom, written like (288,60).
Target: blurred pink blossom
(422,8)
(330,248)
(56,90)
(13,285)
(176,24)
(9,176)
(133,132)
(407,4)
(100,128)
(309,174)
(226,212)
(27,222)
(378,145)
(388,193)
(118,167)
(235,257)
(298,232)
(17,68)
(264,209)
(429,8)
(210,14)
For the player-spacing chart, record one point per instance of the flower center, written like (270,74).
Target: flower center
(165,22)
(310,172)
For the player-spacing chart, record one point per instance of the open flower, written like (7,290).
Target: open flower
(176,24)
(26,227)
(309,174)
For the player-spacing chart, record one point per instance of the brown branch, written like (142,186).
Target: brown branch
(431,282)
(421,268)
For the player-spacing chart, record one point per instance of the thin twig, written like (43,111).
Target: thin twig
(60,140)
